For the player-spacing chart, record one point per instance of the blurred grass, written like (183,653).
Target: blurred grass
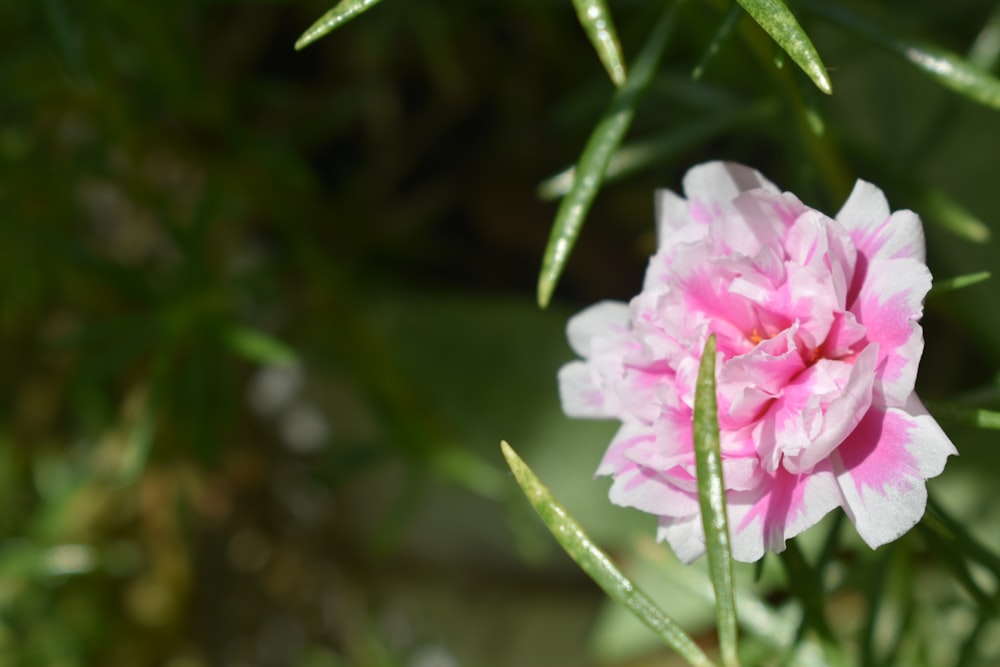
(187,203)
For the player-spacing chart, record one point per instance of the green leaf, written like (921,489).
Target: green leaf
(804,583)
(712,498)
(597,564)
(949,529)
(259,347)
(954,560)
(969,416)
(603,142)
(640,155)
(723,32)
(958,282)
(953,217)
(596,21)
(985,50)
(344,11)
(947,68)
(779,22)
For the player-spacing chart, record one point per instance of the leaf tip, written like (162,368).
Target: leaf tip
(507,450)
(825,85)
(544,292)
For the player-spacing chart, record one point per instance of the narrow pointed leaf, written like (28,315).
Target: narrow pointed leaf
(590,169)
(947,68)
(639,155)
(949,529)
(958,282)
(970,416)
(712,498)
(805,585)
(985,51)
(723,32)
(597,564)
(953,217)
(954,560)
(779,22)
(344,11)
(596,21)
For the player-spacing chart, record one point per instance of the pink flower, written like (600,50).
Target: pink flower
(818,346)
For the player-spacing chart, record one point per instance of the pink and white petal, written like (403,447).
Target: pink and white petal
(583,392)
(888,306)
(709,187)
(616,458)
(845,334)
(782,506)
(754,221)
(650,491)
(684,534)
(882,466)
(761,221)
(609,319)
(866,208)
(878,233)
(850,403)
(673,222)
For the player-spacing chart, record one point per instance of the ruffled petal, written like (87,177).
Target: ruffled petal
(685,535)
(651,491)
(711,186)
(877,233)
(888,306)
(609,319)
(882,466)
(780,508)
(629,436)
(673,220)
(583,394)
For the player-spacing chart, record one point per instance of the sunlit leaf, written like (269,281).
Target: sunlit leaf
(947,68)
(779,22)
(712,498)
(958,282)
(597,564)
(603,142)
(344,11)
(596,21)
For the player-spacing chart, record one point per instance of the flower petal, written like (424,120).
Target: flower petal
(882,466)
(673,219)
(888,306)
(780,508)
(877,233)
(711,186)
(630,435)
(607,319)
(685,535)
(583,394)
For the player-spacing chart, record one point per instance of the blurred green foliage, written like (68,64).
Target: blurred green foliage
(266,314)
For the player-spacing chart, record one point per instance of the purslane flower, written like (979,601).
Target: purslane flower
(818,343)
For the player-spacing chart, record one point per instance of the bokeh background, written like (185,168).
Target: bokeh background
(265,316)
